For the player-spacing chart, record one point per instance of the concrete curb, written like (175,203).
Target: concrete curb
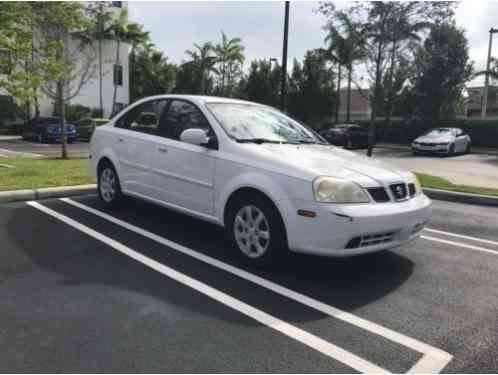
(453,196)
(44,193)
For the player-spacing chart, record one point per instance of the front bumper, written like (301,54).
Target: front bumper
(431,149)
(353,229)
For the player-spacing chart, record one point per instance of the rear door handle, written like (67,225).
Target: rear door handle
(120,139)
(162,150)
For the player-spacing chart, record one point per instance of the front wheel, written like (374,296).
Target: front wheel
(109,188)
(256,230)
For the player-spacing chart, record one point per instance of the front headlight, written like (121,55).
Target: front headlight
(418,186)
(333,190)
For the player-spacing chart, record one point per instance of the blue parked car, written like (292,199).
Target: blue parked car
(48,130)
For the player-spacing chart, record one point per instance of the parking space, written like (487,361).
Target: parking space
(19,147)
(146,289)
(471,169)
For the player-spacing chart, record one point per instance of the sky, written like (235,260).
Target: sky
(175,26)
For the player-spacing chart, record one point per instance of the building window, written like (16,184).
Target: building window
(117,4)
(118,75)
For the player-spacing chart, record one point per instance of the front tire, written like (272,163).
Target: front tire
(256,230)
(468,149)
(108,185)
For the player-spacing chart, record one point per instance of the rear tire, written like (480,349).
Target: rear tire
(108,185)
(255,229)
(468,149)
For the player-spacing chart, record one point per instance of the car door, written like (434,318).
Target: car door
(134,138)
(183,172)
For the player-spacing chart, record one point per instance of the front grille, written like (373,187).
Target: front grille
(378,194)
(411,189)
(399,191)
(371,240)
(427,144)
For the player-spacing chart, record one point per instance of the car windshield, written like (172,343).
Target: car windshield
(439,132)
(257,123)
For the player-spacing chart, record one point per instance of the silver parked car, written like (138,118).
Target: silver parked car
(442,141)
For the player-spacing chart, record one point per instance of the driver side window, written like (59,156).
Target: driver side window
(144,118)
(182,115)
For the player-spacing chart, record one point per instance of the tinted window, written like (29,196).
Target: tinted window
(143,118)
(180,116)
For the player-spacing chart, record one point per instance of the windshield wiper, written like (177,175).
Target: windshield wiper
(258,140)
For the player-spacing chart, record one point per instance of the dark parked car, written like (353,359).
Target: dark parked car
(347,135)
(47,130)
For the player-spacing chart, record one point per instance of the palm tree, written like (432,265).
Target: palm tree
(403,31)
(347,46)
(204,61)
(100,29)
(230,54)
(125,32)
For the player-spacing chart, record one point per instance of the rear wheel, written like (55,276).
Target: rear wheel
(109,188)
(255,229)
(468,149)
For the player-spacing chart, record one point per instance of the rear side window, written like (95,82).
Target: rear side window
(181,116)
(143,118)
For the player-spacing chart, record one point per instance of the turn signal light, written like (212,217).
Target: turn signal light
(306,213)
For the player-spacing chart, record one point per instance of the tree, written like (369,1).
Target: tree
(230,57)
(123,31)
(311,88)
(65,56)
(346,47)
(202,63)
(18,76)
(262,83)
(153,75)
(101,28)
(442,67)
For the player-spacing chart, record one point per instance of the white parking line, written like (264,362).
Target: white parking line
(462,236)
(281,326)
(460,244)
(434,359)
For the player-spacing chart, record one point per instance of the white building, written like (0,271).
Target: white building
(112,72)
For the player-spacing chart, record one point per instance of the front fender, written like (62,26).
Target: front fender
(263,183)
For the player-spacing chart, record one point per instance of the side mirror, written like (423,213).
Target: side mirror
(195,137)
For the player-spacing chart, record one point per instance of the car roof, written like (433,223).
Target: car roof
(201,99)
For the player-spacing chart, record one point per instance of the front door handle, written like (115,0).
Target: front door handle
(120,139)
(162,150)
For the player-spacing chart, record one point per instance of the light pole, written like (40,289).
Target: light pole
(486,81)
(284,59)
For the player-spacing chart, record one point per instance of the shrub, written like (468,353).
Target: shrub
(75,112)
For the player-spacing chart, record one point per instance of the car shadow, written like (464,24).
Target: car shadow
(345,283)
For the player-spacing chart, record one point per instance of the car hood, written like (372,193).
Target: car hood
(310,161)
(438,139)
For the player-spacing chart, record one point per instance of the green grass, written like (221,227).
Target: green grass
(29,173)
(435,182)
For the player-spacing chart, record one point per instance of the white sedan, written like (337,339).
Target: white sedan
(268,180)
(445,141)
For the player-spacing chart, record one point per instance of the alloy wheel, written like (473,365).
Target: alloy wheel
(252,232)
(108,185)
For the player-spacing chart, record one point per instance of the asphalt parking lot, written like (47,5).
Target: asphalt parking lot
(10,146)
(144,289)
